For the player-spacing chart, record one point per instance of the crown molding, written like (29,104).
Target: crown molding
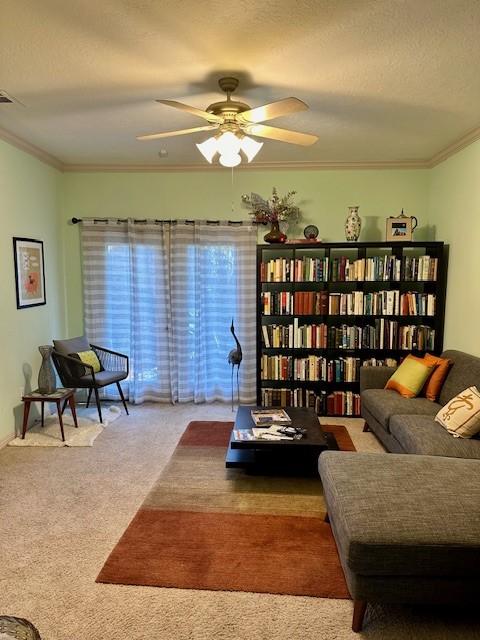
(31,149)
(47,158)
(455,147)
(258,166)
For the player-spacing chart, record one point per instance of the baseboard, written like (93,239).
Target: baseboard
(6,440)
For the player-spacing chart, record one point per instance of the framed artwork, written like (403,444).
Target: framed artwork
(399,229)
(29,272)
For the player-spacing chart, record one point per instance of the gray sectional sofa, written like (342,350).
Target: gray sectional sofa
(407,425)
(407,527)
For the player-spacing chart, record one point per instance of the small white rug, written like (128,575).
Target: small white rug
(83,436)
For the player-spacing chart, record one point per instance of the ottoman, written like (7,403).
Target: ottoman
(407,528)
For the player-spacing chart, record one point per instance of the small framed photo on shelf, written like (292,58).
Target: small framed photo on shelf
(400,229)
(29,272)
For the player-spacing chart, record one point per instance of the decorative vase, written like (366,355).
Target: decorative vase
(353,224)
(47,382)
(275,235)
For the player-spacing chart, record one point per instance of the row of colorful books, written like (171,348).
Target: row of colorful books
(343,269)
(338,403)
(389,302)
(383,334)
(312,368)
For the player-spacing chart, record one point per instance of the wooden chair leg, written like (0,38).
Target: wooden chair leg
(359,608)
(89,396)
(122,397)
(97,399)
(366,428)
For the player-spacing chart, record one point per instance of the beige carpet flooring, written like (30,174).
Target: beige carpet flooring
(62,510)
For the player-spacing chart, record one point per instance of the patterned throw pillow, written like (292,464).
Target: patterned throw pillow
(87,357)
(435,382)
(410,377)
(461,415)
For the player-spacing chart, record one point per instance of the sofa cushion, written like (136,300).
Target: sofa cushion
(461,415)
(464,373)
(384,403)
(410,377)
(398,515)
(421,435)
(434,384)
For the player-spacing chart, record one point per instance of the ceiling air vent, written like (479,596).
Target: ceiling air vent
(5,98)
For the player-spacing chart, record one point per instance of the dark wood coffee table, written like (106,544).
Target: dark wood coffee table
(280,457)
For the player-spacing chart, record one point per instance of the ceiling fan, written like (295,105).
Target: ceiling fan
(234,122)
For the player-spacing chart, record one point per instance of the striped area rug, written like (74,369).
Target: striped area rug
(203,526)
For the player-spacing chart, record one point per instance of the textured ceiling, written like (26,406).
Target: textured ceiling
(386,80)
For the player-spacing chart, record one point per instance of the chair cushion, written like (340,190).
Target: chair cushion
(72,345)
(421,435)
(103,378)
(400,515)
(384,403)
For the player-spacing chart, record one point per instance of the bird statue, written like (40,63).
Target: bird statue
(235,358)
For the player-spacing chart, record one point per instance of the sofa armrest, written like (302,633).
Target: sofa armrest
(374,377)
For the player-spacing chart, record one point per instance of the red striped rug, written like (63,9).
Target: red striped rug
(203,526)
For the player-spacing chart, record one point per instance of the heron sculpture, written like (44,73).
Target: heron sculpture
(235,358)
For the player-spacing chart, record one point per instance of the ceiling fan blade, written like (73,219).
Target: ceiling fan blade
(211,117)
(284,135)
(180,132)
(273,110)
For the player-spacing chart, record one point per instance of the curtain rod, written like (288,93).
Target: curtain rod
(146,220)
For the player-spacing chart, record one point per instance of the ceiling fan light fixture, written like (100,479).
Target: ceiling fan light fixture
(250,147)
(230,159)
(228,144)
(208,148)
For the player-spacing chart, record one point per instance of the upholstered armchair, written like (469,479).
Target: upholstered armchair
(79,369)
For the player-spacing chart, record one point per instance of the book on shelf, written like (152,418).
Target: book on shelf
(267,417)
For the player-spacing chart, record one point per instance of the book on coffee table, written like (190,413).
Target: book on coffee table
(266,417)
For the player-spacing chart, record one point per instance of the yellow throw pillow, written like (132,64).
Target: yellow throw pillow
(461,415)
(410,376)
(87,357)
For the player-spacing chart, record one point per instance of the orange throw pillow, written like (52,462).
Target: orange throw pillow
(435,382)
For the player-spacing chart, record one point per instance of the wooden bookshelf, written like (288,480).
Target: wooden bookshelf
(325,309)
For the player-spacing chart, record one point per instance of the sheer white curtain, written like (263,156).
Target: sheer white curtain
(165,293)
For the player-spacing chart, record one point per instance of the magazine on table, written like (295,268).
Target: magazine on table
(258,433)
(267,417)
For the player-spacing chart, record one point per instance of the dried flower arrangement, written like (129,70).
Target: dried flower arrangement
(277,209)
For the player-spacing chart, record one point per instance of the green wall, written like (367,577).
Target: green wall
(29,208)
(38,202)
(323,196)
(454,209)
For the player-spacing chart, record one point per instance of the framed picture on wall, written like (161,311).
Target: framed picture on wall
(29,272)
